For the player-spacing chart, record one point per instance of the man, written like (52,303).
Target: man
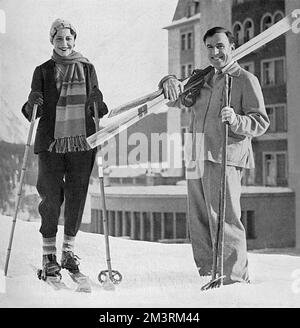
(247,118)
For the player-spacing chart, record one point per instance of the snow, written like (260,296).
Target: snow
(154,275)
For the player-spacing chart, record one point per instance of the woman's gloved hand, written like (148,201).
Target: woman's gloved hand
(97,97)
(35,97)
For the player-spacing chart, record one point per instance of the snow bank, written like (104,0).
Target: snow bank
(154,275)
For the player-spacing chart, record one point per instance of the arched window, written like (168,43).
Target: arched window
(266,22)
(248,29)
(2,21)
(278,15)
(238,33)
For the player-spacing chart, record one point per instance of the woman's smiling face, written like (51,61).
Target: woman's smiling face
(64,42)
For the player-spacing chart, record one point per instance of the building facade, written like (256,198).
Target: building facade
(250,18)
(159,214)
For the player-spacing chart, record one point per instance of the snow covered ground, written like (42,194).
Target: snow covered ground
(154,275)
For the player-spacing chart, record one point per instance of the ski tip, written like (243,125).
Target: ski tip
(83,289)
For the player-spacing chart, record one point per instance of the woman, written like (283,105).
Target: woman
(65,89)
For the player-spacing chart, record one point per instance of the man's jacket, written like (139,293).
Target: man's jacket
(205,138)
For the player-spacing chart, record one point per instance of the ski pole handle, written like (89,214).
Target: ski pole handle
(228,84)
(99,157)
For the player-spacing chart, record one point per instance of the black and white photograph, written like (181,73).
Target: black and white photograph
(149,157)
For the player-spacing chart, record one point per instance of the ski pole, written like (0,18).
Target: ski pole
(104,276)
(19,192)
(218,251)
(228,81)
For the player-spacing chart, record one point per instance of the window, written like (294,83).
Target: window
(248,30)
(183,37)
(238,33)
(266,22)
(279,71)
(183,76)
(267,74)
(248,66)
(186,70)
(278,15)
(275,168)
(190,40)
(197,4)
(278,118)
(192,8)
(273,72)
(187,41)
(189,69)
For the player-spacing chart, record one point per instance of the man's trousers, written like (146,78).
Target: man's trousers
(203,206)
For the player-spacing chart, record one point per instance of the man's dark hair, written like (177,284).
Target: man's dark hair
(219,29)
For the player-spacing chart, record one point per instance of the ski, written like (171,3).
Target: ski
(83,282)
(121,122)
(53,281)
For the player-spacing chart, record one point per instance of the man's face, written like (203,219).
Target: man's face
(219,50)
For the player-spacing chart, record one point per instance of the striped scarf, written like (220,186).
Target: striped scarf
(70,130)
